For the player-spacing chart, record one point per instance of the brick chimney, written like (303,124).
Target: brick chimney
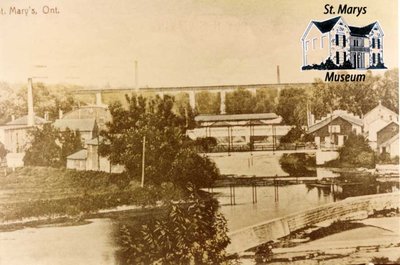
(31,113)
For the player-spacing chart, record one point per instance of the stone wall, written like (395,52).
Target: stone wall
(249,237)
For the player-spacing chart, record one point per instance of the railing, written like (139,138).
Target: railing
(259,147)
(359,49)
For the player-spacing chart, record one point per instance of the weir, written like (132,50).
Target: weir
(258,234)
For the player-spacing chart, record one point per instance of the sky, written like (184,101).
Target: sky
(176,43)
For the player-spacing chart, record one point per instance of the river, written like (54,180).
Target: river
(93,243)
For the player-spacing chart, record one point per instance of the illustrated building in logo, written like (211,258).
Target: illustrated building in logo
(333,44)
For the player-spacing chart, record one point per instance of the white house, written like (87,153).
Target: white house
(335,39)
(376,119)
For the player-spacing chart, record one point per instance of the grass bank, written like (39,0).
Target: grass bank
(51,192)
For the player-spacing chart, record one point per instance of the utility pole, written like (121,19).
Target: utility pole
(143,159)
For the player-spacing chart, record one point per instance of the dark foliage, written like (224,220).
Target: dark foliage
(50,147)
(356,152)
(329,65)
(206,144)
(296,134)
(192,232)
(166,143)
(298,164)
(291,106)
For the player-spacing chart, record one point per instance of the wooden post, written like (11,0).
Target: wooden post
(143,160)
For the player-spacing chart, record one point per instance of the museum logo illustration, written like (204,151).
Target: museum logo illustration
(333,44)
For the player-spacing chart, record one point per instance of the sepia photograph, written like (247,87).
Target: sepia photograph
(199,132)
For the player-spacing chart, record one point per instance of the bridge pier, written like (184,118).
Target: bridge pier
(98,99)
(222,94)
(192,99)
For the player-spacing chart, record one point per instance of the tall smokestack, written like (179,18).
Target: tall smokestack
(31,114)
(136,76)
(278,74)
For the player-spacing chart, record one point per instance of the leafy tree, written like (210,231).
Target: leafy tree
(294,135)
(240,101)
(165,141)
(47,98)
(70,143)
(356,152)
(206,143)
(189,233)
(291,106)
(192,168)
(265,100)
(50,147)
(356,97)
(388,89)
(44,149)
(207,102)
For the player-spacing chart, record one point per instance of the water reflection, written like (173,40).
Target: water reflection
(83,244)
(292,198)
(95,243)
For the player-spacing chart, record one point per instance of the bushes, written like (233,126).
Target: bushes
(188,233)
(329,65)
(356,152)
(297,164)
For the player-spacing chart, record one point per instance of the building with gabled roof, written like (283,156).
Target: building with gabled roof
(14,134)
(334,39)
(87,127)
(332,130)
(388,139)
(100,113)
(376,119)
(90,159)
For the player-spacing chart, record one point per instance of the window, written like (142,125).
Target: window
(307,43)
(379,43)
(344,56)
(337,40)
(355,43)
(379,57)
(334,128)
(337,58)
(373,42)
(314,43)
(322,41)
(344,40)
(373,58)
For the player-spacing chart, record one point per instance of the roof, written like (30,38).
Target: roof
(380,106)
(236,117)
(327,25)
(83,125)
(363,31)
(329,119)
(390,141)
(80,155)
(24,121)
(383,138)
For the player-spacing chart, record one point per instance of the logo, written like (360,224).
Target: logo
(333,44)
